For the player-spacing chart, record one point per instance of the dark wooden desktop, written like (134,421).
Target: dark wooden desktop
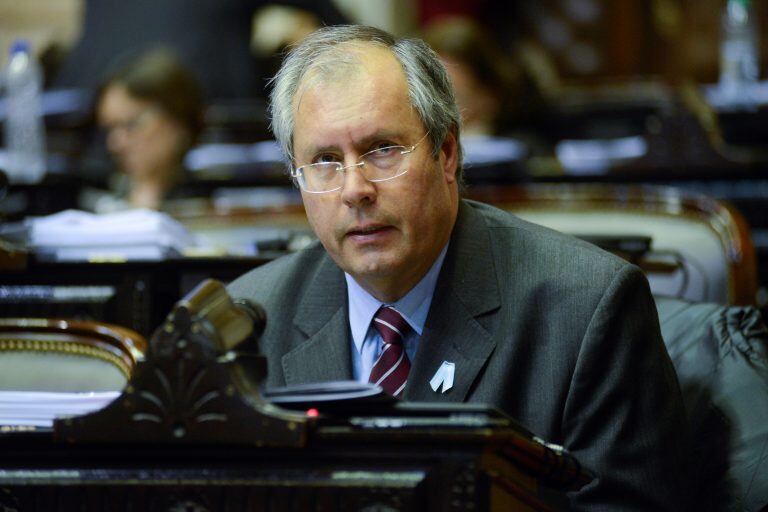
(427,469)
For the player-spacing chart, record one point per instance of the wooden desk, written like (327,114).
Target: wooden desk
(192,432)
(342,469)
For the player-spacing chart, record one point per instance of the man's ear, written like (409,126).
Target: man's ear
(449,156)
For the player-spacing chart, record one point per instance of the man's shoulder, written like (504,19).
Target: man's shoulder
(526,241)
(286,273)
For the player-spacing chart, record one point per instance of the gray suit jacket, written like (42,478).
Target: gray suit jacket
(558,334)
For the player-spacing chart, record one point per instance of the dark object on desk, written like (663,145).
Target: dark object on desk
(368,406)
(746,129)
(327,396)
(632,248)
(721,357)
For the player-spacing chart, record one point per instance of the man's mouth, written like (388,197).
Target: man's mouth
(367,231)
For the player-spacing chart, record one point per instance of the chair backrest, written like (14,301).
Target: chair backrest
(38,354)
(700,249)
(720,354)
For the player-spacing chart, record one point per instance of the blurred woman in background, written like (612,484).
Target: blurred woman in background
(151,110)
(485,78)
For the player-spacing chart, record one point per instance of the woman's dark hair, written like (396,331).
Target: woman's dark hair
(158,76)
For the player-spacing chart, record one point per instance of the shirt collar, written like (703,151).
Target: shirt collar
(414,305)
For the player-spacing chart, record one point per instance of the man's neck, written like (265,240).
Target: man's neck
(387,292)
(383,292)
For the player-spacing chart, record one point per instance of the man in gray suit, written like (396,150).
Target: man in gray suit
(476,305)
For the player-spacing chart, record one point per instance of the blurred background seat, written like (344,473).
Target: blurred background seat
(690,245)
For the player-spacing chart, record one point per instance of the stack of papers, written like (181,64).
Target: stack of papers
(140,234)
(39,409)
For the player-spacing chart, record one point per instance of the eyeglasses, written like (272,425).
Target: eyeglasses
(380,164)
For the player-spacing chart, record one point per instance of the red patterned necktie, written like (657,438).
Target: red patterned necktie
(390,371)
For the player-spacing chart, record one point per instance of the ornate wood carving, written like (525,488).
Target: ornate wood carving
(193,386)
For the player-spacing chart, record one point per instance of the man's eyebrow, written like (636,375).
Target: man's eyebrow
(364,141)
(381,135)
(314,150)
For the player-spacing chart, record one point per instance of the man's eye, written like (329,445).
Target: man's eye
(384,149)
(326,158)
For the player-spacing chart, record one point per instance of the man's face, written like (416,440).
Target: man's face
(385,234)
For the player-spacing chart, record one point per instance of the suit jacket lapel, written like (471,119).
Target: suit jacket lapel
(467,288)
(323,318)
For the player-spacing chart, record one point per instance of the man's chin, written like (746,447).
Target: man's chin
(372,268)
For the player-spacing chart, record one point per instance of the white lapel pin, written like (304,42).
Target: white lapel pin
(443,376)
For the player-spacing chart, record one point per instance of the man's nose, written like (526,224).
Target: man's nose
(356,189)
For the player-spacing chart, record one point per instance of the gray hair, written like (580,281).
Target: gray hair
(429,87)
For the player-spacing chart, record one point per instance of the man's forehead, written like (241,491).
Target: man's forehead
(348,65)
(370,102)
(353,53)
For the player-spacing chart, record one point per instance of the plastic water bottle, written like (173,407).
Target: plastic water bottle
(739,52)
(24,130)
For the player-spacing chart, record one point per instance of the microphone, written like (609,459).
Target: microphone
(227,322)
(257,314)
